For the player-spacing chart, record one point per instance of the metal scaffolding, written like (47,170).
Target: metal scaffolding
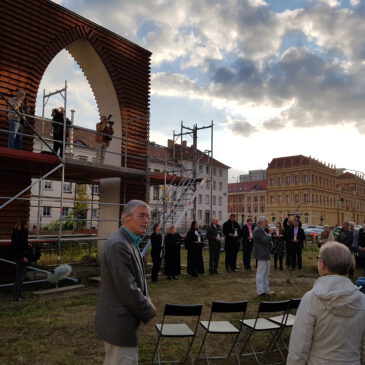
(181,178)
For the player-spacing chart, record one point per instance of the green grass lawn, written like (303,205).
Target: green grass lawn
(58,329)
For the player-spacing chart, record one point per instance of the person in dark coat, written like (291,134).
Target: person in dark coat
(345,236)
(231,231)
(247,242)
(297,240)
(287,225)
(194,244)
(156,251)
(278,246)
(23,254)
(58,128)
(172,254)
(361,249)
(214,236)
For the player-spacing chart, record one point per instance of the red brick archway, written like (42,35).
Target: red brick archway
(32,33)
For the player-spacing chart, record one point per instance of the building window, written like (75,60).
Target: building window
(280,199)
(220,172)
(47,185)
(200,199)
(207,199)
(272,199)
(96,189)
(214,171)
(200,214)
(248,199)
(306,198)
(214,184)
(65,211)
(220,186)
(192,214)
(220,215)
(208,184)
(67,187)
(262,209)
(296,199)
(287,199)
(243,209)
(47,211)
(207,169)
(280,180)
(272,181)
(156,193)
(200,168)
(214,214)
(219,200)
(95,213)
(296,179)
(255,199)
(306,178)
(214,201)
(255,209)
(287,180)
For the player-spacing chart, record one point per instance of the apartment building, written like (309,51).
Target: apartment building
(210,198)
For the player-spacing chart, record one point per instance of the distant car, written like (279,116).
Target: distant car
(312,230)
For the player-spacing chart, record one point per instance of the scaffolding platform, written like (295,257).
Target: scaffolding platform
(79,171)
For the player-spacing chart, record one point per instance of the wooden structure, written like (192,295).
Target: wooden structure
(32,33)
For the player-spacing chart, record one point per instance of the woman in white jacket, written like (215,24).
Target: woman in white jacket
(329,327)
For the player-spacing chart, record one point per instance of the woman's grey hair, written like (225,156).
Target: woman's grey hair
(130,207)
(337,257)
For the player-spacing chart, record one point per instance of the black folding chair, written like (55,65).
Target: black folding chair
(262,324)
(287,322)
(222,327)
(177,330)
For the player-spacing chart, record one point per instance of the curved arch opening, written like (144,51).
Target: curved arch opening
(90,91)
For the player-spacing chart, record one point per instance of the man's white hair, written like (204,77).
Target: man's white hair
(130,207)
(262,219)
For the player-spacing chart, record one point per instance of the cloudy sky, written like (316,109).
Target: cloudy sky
(277,77)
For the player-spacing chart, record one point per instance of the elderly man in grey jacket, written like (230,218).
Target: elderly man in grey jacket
(262,242)
(330,322)
(123,300)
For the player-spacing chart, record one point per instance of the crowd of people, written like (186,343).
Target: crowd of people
(333,307)
(327,313)
(286,241)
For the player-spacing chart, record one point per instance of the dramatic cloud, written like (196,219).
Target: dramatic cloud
(294,67)
(241,127)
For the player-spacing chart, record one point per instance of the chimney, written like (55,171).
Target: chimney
(170,143)
(183,144)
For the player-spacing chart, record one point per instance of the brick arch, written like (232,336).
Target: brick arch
(32,33)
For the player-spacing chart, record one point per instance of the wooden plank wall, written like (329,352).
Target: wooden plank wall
(32,33)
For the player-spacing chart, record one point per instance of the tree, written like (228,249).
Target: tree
(80,208)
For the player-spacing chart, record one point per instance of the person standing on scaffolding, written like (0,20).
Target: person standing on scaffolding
(103,136)
(58,119)
(16,121)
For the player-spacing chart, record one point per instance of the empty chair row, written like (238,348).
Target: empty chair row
(228,319)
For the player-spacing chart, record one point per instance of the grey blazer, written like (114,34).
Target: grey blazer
(123,299)
(261,244)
